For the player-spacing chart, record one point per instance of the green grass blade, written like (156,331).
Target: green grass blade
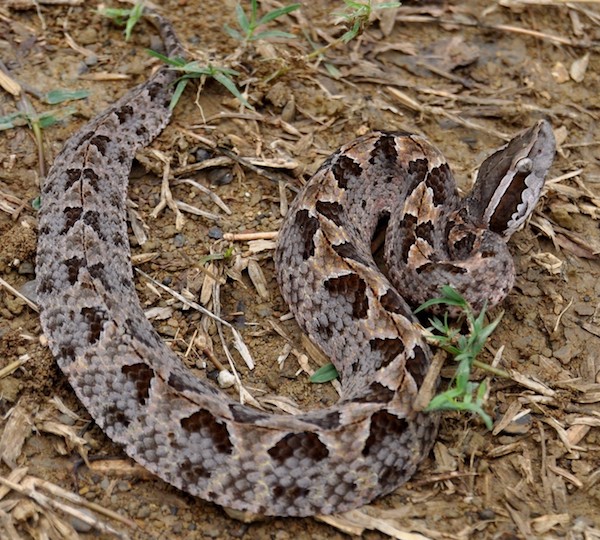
(242,19)
(272,15)
(232,32)
(59,96)
(324,374)
(134,16)
(224,79)
(272,34)
(175,62)
(179,88)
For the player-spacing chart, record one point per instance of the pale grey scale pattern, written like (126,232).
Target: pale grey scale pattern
(188,432)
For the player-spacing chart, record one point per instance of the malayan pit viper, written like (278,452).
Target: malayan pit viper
(188,432)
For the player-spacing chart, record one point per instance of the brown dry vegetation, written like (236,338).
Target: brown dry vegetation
(467,75)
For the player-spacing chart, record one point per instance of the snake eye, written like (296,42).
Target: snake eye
(524,165)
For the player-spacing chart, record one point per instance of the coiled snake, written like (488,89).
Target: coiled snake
(192,435)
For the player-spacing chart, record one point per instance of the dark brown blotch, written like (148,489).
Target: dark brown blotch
(124,113)
(348,250)
(448,268)
(418,365)
(154,89)
(91,177)
(384,150)
(45,285)
(352,288)
(393,302)
(308,226)
(299,445)
(141,131)
(97,271)
(72,176)
(407,226)
(388,349)
(141,375)
(376,393)
(438,180)
(67,353)
(332,211)
(72,215)
(95,319)
(92,219)
(383,425)
(73,266)
(101,142)
(417,171)
(464,246)
(204,423)
(346,169)
(425,232)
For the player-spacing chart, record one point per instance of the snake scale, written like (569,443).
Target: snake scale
(191,434)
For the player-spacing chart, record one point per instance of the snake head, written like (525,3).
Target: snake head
(510,181)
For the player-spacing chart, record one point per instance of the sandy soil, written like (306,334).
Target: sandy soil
(460,73)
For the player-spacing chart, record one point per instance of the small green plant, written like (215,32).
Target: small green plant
(358,15)
(193,70)
(227,254)
(33,120)
(462,395)
(249,24)
(127,17)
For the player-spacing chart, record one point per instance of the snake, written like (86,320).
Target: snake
(355,308)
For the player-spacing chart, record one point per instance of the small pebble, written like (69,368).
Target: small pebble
(156,44)
(264,311)
(123,486)
(273,380)
(179,240)
(213,532)
(202,154)
(167,330)
(143,512)
(565,353)
(88,36)
(26,268)
(91,60)
(66,420)
(220,176)
(29,290)
(584,309)
(487,513)
(80,526)
(215,233)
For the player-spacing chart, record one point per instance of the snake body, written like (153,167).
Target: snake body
(188,432)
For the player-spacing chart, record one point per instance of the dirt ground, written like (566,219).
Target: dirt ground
(467,75)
